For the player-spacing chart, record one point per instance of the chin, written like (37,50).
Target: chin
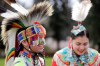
(80,53)
(40,51)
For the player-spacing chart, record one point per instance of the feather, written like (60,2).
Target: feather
(80,10)
(8,37)
(9,14)
(17,7)
(38,13)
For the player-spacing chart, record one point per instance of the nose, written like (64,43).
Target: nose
(82,47)
(41,45)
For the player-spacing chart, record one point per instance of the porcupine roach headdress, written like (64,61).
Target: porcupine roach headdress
(22,19)
(79,13)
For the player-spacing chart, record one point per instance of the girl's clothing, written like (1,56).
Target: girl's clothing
(66,57)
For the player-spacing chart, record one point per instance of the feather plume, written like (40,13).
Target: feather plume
(9,14)
(8,39)
(80,10)
(17,6)
(38,13)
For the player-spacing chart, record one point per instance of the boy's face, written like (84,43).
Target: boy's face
(38,45)
(35,46)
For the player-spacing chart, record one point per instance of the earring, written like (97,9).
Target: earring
(29,49)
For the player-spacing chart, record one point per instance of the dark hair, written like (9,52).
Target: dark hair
(83,33)
(18,47)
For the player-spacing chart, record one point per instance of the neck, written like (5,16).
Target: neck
(26,53)
(76,54)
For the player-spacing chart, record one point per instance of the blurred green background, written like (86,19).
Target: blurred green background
(2,60)
(48,61)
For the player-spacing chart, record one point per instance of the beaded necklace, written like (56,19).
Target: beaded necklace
(31,58)
(81,60)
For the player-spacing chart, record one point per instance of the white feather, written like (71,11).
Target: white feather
(38,12)
(72,2)
(80,10)
(19,8)
(11,41)
(38,17)
(9,14)
(11,38)
(10,62)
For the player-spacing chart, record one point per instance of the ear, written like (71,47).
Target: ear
(70,43)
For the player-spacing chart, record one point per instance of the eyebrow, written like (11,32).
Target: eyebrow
(80,43)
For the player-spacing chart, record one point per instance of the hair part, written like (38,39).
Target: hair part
(81,34)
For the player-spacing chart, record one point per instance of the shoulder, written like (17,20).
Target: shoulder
(64,51)
(94,56)
(19,62)
(90,50)
(92,53)
(64,55)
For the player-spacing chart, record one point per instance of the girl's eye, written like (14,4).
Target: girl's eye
(85,44)
(78,44)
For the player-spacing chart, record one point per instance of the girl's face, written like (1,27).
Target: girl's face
(80,45)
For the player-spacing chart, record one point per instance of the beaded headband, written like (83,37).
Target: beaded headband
(32,33)
(78,30)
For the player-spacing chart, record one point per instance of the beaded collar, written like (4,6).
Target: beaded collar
(66,55)
(81,60)
(25,54)
(31,56)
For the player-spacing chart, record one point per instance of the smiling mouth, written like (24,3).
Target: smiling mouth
(81,51)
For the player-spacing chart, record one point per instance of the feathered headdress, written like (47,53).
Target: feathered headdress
(21,19)
(80,11)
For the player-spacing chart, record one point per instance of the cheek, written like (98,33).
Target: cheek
(34,48)
(75,47)
(37,48)
(86,47)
